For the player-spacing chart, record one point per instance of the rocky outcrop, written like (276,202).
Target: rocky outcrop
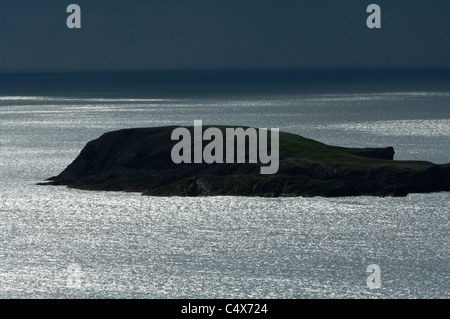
(139,160)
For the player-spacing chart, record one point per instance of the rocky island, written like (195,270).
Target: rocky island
(139,160)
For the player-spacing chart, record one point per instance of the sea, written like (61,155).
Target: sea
(57,242)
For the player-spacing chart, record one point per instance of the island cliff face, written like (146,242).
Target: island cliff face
(139,160)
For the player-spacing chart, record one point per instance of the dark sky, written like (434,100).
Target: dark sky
(126,35)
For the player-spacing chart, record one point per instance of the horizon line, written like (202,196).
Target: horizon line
(223,70)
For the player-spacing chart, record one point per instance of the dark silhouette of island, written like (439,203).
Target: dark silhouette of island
(139,160)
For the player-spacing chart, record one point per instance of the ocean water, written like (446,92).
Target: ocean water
(64,243)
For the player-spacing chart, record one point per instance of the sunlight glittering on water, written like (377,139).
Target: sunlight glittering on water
(128,245)
(427,128)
